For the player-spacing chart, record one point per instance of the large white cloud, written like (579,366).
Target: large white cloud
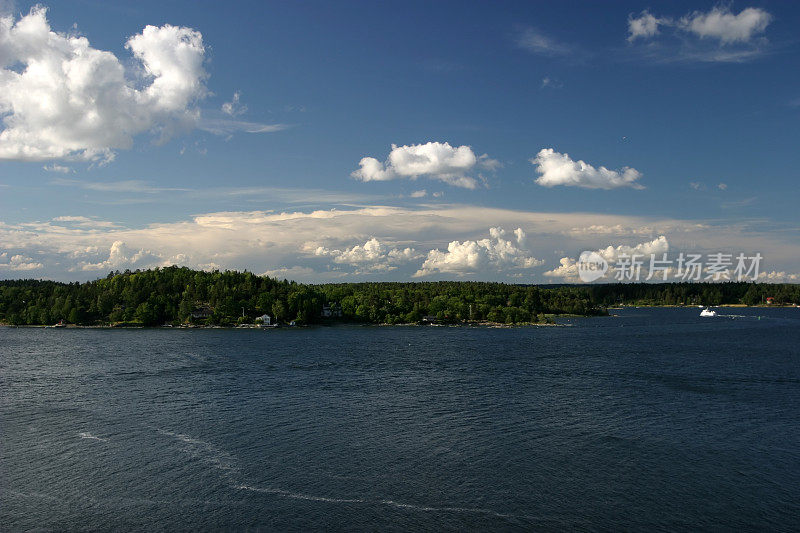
(559,169)
(61,98)
(469,257)
(434,160)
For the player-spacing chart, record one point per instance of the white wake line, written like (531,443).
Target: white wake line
(297,496)
(87,435)
(205,451)
(216,461)
(391,503)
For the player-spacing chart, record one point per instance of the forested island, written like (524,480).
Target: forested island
(179,295)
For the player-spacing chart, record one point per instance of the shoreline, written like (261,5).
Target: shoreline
(698,306)
(494,325)
(482,324)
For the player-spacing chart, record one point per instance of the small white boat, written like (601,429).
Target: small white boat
(708,312)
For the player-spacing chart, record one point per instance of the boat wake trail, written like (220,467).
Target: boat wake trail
(205,452)
(223,461)
(87,435)
(389,503)
(426,508)
(299,496)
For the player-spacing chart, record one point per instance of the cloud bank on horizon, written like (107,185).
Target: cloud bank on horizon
(444,242)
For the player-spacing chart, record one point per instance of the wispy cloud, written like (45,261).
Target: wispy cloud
(129,186)
(551,83)
(537,42)
(286,195)
(224,126)
(739,203)
(85,222)
(57,168)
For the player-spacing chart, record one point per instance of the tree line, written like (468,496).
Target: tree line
(173,295)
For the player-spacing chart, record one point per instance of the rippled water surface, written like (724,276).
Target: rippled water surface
(656,419)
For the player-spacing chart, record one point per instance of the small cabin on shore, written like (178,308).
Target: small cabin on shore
(264,320)
(331,311)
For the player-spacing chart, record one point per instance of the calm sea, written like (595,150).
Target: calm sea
(655,419)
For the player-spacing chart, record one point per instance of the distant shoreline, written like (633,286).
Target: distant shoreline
(180,297)
(490,325)
(698,306)
(481,324)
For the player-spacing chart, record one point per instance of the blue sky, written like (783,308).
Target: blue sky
(700,102)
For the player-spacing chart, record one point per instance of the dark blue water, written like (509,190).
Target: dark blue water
(653,420)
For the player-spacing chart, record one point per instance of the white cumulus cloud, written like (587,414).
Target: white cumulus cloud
(18,263)
(234,107)
(643,26)
(778,277)
(371,256)
(469,257)
(568,267)
(62,98)
(559,169)
(720,23)
(435,160)
(121,255)
(717,35)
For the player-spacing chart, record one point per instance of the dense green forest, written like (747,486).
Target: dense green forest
(180,295)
